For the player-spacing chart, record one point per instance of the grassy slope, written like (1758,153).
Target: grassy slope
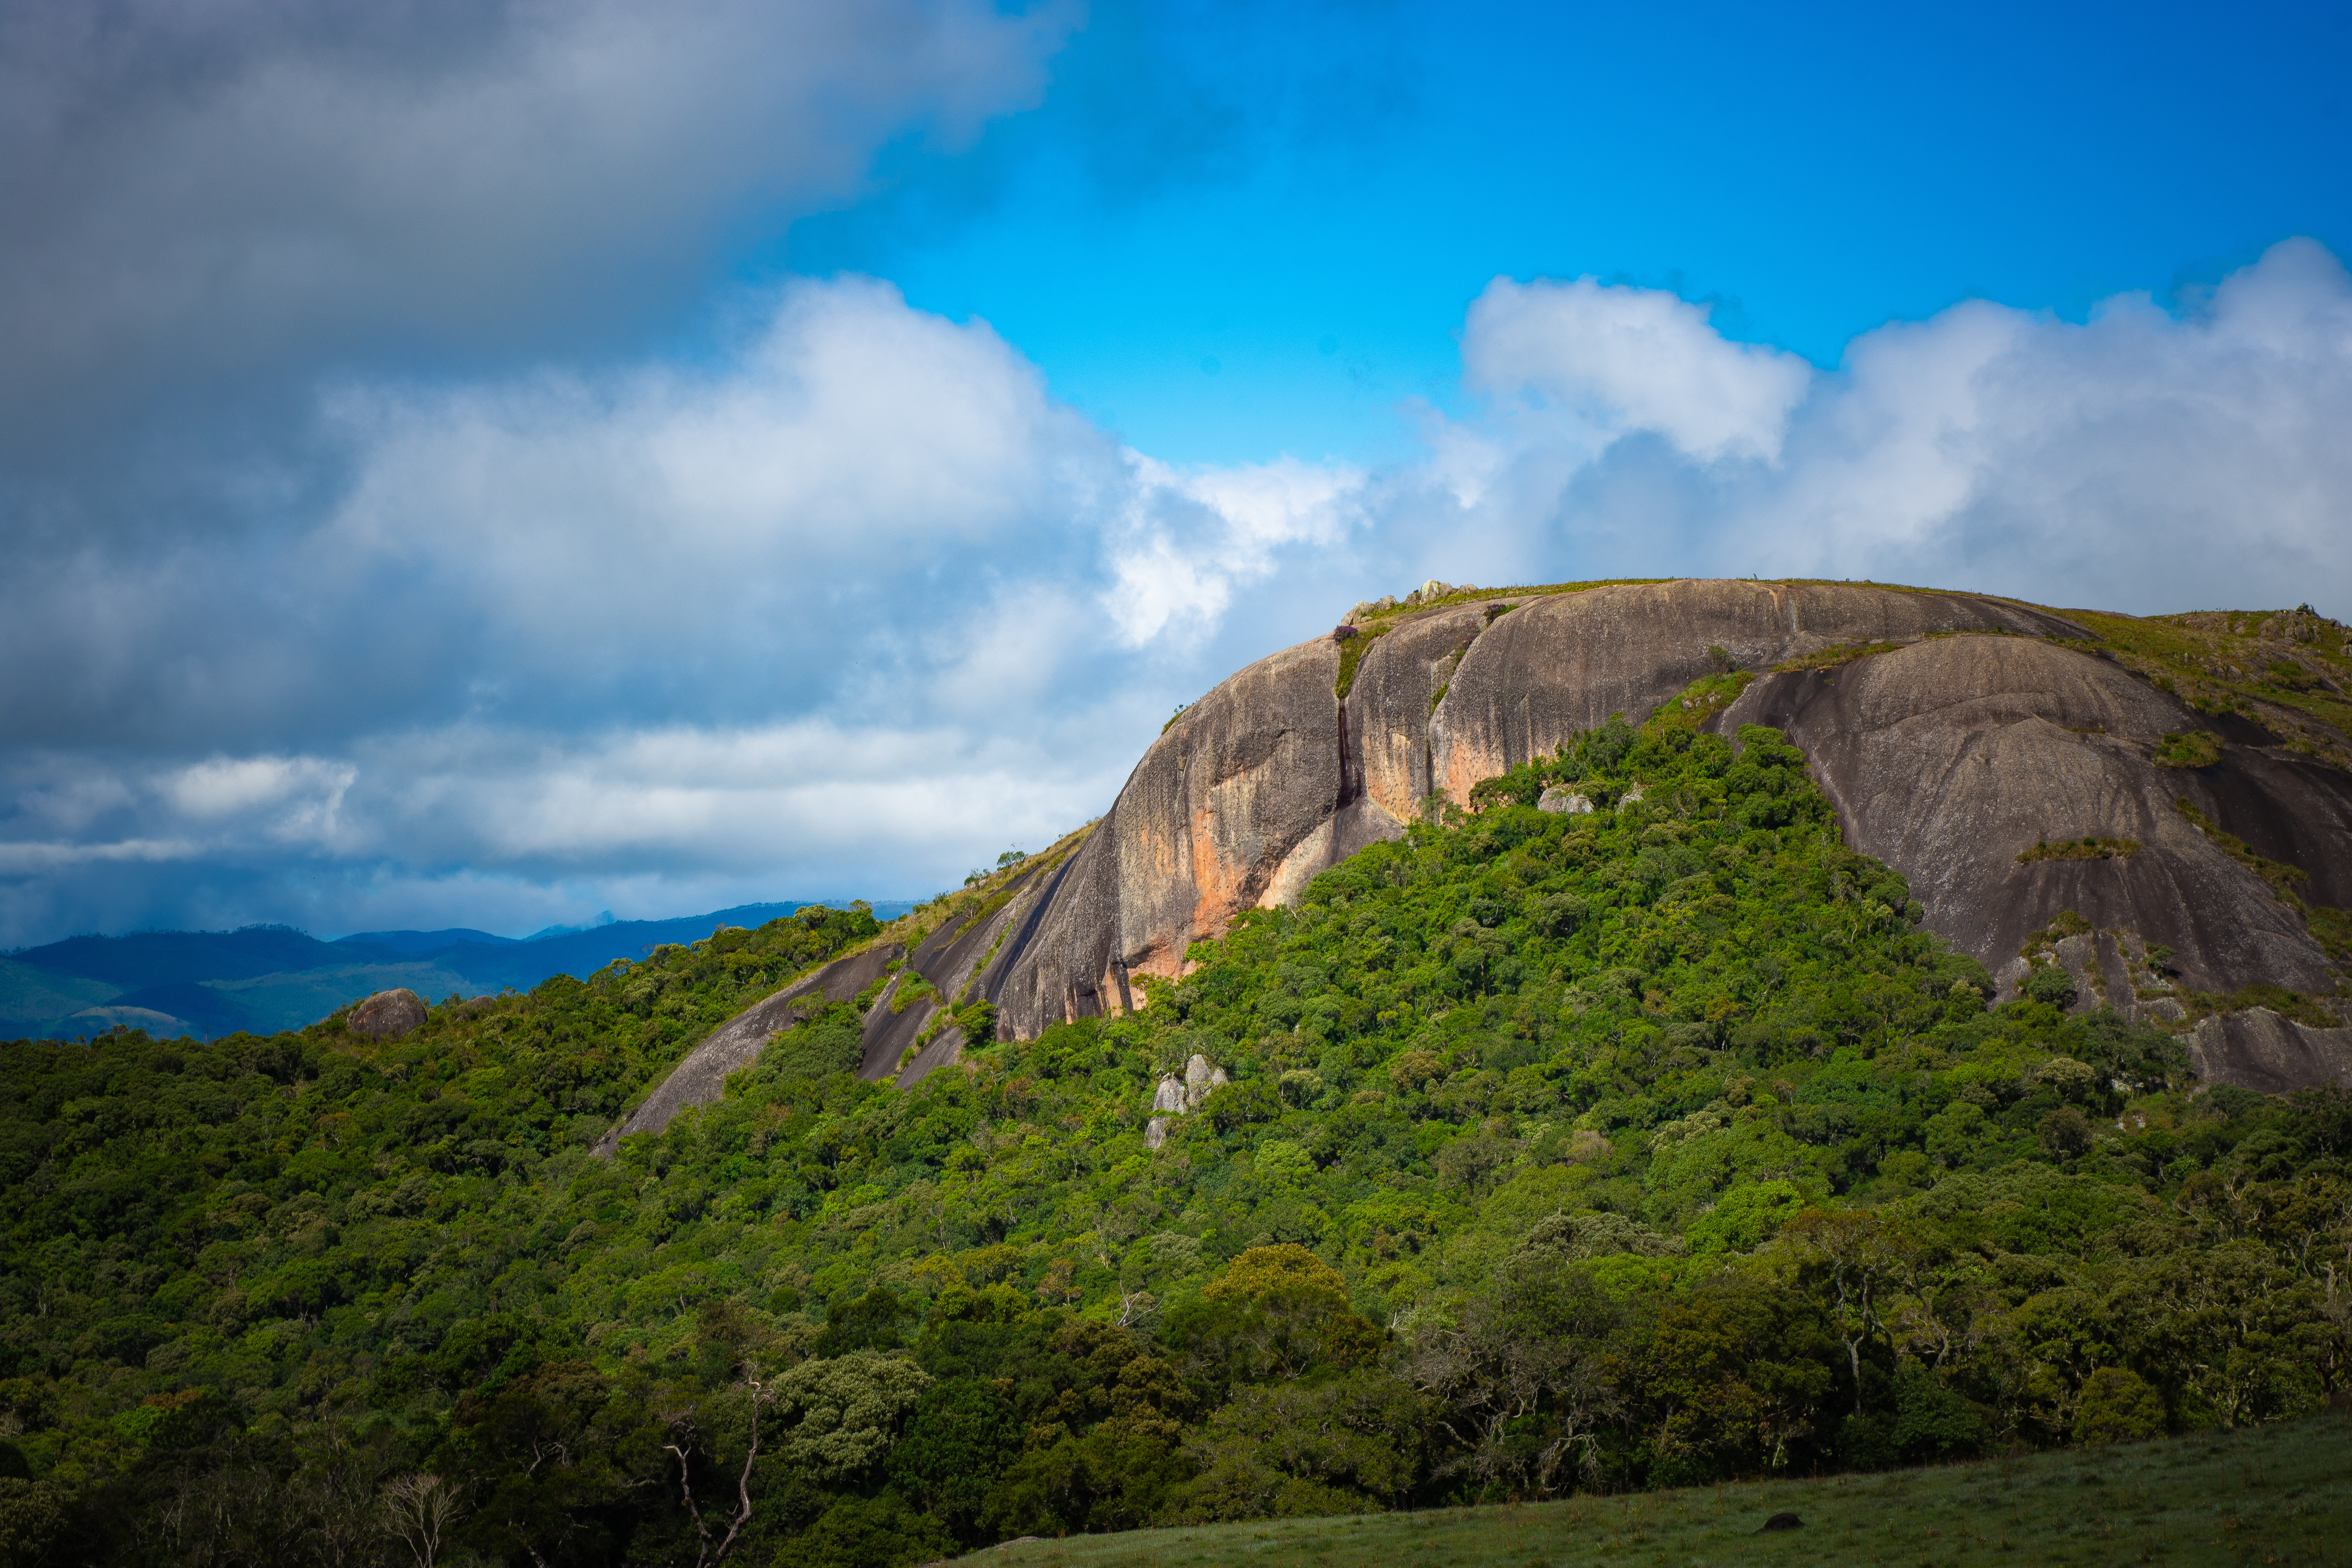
(32,998)
(2274,1494)
(2257,663)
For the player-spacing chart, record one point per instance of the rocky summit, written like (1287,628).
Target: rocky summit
(2159,807)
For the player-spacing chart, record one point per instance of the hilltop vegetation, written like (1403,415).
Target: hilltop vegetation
(1561,1152)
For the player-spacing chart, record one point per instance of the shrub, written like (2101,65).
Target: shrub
(2051,984)
(2080,849)
(2117,1407)
(2190,749)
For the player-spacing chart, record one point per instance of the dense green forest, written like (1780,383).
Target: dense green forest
(1561,1152)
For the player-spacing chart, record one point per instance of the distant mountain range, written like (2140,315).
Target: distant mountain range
(266,978)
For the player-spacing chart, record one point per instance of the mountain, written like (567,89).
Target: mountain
(1956,732)
(415,941)
(165,957)
(525,963)
(201,1008)
(1614,1124)
(268,978)
(2170,796)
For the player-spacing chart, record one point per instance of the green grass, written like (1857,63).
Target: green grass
(2281,1493)
(1843,653)
(2193,656)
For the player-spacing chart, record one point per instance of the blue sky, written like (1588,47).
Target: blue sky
(1311,199)
(483,465)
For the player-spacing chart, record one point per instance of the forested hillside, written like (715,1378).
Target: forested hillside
(1560,1150)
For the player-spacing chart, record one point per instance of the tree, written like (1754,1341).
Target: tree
(708,1552)
(1852,1257)
(841,1413)
(1527,1380)
(2117,1407)
(419,1509)
(1733,1379)
(1276,1312)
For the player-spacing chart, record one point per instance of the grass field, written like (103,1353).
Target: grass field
(2277,1494)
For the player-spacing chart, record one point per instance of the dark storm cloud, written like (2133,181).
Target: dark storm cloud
(205,199)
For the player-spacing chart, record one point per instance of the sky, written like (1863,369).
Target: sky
(487,464)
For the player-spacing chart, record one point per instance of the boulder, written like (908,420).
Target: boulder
(387,1015)
(1176,1095)
(1559,800)
(1201,1078)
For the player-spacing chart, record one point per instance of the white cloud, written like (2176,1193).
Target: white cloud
(1615,360)
(2141,459)
(837,599)
(2144,459)
(1191,538)
(304,791)
(772,507)
(31,859)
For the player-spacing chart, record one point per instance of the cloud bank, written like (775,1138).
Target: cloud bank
(2146,458)
(839,597)
(208,198)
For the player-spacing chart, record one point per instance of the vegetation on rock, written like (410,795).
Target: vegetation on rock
(2085,848)
(2190,749)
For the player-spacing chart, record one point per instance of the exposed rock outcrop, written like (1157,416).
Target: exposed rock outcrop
(387,1015)
(1946,755)
(1177,1097)
(910,1037)
(2258,1049)
(1203,828)
(735,1045)
(1269,779)
(1563,802)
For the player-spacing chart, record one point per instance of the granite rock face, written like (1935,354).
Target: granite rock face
(735,1045)
(1271,779)
(1559,664)
(387,1015)
(1203,829)
(909,1038)
(1949,758)
(1946,757)
(2258,1049)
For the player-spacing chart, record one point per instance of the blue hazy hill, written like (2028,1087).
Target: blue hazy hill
(413,941)
(275,977)
(147,958)
(499,962)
